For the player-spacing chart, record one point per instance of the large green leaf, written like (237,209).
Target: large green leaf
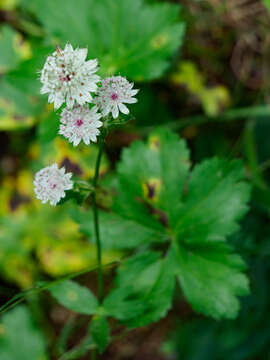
(20,337)
(127,36)
(75,297)
(194,213)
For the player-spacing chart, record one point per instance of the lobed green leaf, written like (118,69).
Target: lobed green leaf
(74,297)
(195,212)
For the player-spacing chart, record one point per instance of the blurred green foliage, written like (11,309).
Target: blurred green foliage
(138,43)
(20,337)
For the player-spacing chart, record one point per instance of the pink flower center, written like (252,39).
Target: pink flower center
(53,186)
(65,78)
(114,96)
(79,122)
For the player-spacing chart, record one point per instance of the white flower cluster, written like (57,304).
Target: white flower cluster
(80,123)
(68,78)
(113,94)
(51,183)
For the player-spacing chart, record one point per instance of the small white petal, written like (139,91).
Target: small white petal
(51,98)
(92,64)
(58,102)
(98,124)
(123,109)
(130,101)
(68,48)
(76,141)
(115,112)
(44,89)
(86,140)
(82,53)
(134,92)
(106,111)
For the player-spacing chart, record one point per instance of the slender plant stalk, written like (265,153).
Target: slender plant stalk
(96,220)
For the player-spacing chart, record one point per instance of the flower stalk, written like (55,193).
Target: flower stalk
(96,218)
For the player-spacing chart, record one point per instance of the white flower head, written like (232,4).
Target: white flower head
(68,77)
(113,94)
(80,123)
(50,184)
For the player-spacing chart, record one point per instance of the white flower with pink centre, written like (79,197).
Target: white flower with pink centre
(68,77)
(50,184)
(113,94)
(80,124)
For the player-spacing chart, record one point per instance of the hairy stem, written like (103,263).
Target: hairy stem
(96,219)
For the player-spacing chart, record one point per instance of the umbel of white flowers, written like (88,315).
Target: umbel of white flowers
(113,94)
(50,184)
(80,123)
(68,78)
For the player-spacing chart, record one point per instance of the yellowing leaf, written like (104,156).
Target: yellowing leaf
(10,119)
(213,99)
(8,4)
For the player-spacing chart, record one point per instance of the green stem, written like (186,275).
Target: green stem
(252,157)
(96,220)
